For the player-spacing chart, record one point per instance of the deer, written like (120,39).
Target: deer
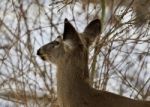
(69,53)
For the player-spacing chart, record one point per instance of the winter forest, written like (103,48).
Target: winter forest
(119,60)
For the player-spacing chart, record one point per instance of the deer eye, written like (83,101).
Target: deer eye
(55,44)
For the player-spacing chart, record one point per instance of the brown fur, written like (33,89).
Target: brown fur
(70,55)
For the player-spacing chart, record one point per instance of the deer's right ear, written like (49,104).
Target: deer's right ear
(92,30)
(69,32)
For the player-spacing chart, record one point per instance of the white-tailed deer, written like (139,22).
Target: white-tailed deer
(70,54)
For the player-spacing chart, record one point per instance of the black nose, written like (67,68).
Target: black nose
(39,52)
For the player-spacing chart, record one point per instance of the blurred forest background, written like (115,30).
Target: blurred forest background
(119,61)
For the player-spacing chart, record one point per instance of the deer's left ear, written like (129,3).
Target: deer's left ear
(70,33)
(92,30)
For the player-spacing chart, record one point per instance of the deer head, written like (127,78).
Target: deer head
(71,41)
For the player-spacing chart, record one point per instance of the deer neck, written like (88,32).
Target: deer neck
(71,78)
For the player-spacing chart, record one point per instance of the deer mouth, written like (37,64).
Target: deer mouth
(43,57)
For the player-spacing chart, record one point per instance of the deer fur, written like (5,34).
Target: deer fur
(70,54)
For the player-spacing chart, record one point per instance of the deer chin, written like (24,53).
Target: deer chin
(44,57)
(47,58)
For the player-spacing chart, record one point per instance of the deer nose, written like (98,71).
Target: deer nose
(39,52)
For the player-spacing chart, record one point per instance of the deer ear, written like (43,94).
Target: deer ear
(92,30)
(69,32)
